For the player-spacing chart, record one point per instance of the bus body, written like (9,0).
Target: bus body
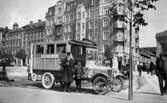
(46,59)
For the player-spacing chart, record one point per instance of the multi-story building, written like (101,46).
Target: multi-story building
(13,39)
(33,33)
(161,43)
(90,19)
(54,19)
(69,21)
(81,16)
(21,38)
(1,35)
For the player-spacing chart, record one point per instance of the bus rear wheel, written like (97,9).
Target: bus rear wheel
(48,80)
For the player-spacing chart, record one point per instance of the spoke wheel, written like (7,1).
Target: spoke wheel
(99,85)
(34,77)
(47,80)
(117,85)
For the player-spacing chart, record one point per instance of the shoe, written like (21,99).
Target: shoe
(162,94)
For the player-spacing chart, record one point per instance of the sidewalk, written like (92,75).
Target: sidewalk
(26,95)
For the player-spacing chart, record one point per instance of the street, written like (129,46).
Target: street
(25,91)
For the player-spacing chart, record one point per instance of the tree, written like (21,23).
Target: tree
(21,54)
(137,9)
(6,58)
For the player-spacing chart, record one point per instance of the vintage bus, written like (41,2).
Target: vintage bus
(46,59)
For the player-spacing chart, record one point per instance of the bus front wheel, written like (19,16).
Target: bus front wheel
(48,80)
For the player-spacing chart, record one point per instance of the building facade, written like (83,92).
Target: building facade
(13,39)
(90,19)
(1,36)
(21,38)
(33,33)
(161,43)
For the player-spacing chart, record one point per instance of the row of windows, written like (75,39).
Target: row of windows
(79,25)
(105,23)
(18,36)
(13,44)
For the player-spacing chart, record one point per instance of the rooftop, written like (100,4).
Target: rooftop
(161,34)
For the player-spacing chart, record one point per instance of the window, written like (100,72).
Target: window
(78,26)
(91,13)
(90,36)
(79,15)
(71,17)
(83,14)
(67,18)
(92,2)
(78,37)
(105,10)
(59,10)
(83,26)
(50,49)
(61,48)
(96,12)
(95,36)
(69,29)
(106,47)
(105,35)
(90,25)
(65,29)
(39,49)
(105,22)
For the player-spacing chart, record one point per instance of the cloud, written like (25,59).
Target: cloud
(23,11)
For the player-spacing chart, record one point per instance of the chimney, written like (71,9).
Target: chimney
(15,26)
(39,20)
(31,23)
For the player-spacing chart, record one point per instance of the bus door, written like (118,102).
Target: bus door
(79,53)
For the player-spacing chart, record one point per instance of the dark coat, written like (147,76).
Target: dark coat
(68,66)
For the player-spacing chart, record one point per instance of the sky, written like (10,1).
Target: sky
(24,11)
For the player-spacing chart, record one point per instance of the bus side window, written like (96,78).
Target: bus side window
(50,49)
(39,49)
(61,48)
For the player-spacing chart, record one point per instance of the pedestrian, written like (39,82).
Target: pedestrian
(165,73)
(152,68)
(28,71)
(68,66)
(4,73)
(78,75)
(160,73)
(139,68)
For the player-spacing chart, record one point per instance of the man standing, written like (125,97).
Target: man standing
(140,67)
(78,75)
(160,73)
(68,66)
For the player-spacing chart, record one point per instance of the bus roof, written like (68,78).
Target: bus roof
(82,43)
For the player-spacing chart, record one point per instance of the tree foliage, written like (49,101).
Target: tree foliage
(6,58)
(138,8)
(21,54)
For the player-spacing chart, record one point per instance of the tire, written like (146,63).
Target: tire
(99,85)
(116,84)
(48,80)
(34,77)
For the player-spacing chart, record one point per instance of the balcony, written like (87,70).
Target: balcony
(119,24)
(119,38)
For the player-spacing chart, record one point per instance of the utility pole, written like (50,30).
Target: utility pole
(130,94)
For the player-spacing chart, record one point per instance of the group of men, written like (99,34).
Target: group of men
(160,69)
(72,70)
